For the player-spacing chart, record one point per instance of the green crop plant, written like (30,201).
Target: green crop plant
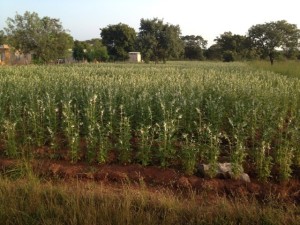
(92,137)
(10,138)
(50,107)
(36,122)
(238,151)
(146,138)
(189,154)
(124,146)
(103,144)
(284,158)
(263,161)
(237,157)
(167,130)
(71,128)
(165,151)
(52,112)
(212,151)
(146,135)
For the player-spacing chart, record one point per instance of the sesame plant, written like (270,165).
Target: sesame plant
(189,154)
(159,115)
(92,124)
(263,161)
(103,143)
(166,135)
(146,139)
(52,126)
(72,129)
(10,139)
(124,146)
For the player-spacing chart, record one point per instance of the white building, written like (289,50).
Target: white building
(135,57)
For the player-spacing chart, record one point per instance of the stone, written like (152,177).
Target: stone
(244,177)
(203,169)
(223,171)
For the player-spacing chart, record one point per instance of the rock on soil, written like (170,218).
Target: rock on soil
(223,170)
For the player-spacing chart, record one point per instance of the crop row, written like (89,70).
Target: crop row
(168,115)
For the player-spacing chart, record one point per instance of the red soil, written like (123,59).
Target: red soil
(157,178)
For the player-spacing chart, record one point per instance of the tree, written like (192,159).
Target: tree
(234,46)
(96,51)
(214,52)
(269,36)
(194,47)
(44,37)
(2,37)
(79,50)
(119,40)
(159,41)
(90,50)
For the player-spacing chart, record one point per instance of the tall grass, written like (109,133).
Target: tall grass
(287,68)
(152,113)
(31,202)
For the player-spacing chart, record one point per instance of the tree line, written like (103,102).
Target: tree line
(46,39)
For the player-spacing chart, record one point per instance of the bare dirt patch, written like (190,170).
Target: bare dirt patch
(155,178)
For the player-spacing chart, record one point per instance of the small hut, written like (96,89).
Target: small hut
(135,57)
(4,54)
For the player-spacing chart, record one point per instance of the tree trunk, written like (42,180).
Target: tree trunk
(271,57)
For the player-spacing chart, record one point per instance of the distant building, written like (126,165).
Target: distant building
(8,56)
(4,54)
(135,57)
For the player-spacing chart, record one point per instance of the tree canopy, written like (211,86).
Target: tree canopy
(158,41)
(2,37)
(234,46)
(46,40)
(44,37)
(269,36)
(119,40)
(96,51)
(79,50)
(194,47)
(90,50)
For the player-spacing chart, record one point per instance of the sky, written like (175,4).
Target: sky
(210,18)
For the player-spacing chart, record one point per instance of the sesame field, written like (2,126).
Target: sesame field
(175,115)
(125,143)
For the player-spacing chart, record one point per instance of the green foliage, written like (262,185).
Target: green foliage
(72,129)
(194,47)
(263,161)
(158,41)
(91,50)
(228,56)
(144,153)
(269,36)
(162,115)
(96,51)
(124,146)
(78,51)
(10,139)
(189,154)
(284,159)
(119,40)
(51,122)
(44,37)
(212,152)
(214,52)
(289,68)
(234,47)
(2,37)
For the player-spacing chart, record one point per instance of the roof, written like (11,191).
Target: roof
(4,47)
